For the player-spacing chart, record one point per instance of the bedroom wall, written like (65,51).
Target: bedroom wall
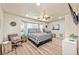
(8,29)
(16,29)
(67,26)
(1,24)
(61,22)
(70,26)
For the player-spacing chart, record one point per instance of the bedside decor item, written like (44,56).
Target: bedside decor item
(13,23)
(73,37)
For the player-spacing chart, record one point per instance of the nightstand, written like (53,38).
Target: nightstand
(54,35)
(6,47)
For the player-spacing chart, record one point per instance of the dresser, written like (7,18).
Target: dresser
(69,47)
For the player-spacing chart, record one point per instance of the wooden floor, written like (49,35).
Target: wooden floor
(53,47)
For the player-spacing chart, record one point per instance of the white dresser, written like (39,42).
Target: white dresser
(69,47)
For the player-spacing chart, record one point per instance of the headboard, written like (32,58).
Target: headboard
(34,30)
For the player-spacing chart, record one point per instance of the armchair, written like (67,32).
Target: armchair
(15,39)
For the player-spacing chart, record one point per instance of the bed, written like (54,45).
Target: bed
(37,37)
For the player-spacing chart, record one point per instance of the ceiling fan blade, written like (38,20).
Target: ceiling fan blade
(47,18)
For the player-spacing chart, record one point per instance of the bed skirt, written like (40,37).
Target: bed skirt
(41,43)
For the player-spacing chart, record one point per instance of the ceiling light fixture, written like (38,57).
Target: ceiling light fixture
(38,4)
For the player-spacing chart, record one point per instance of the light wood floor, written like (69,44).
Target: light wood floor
(53,47)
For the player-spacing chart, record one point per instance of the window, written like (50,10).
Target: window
(32,25)
(27,25)
(41,27)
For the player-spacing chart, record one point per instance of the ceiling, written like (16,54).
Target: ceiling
(55,10)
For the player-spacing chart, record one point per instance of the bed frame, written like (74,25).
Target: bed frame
(41,43)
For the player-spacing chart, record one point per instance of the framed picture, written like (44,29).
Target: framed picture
(56,27)
(13,23)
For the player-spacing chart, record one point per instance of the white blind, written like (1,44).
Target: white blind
(27,25)
(32,25)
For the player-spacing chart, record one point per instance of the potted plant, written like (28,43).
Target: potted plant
(73,37)
(23,36)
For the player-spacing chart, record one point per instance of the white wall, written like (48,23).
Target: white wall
(61,22)
(8,29)
(70,26)
(16,29)
(67,26)
(1,24)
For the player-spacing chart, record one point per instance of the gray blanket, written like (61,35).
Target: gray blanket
(39,37)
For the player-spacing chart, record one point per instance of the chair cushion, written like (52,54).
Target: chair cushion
(14,37)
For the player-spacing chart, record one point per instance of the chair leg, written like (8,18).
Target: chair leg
(15,50)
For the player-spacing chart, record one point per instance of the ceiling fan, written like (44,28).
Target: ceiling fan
(44,16)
